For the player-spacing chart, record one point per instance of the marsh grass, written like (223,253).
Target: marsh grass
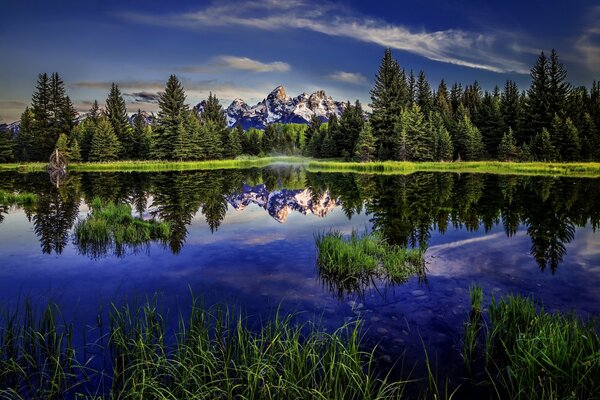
(23,198)
(473,328)
(213,354)
(154,166)
(532,354)
(349,264)
(582,170)
(112,225)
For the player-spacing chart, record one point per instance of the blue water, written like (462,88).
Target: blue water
(260,259)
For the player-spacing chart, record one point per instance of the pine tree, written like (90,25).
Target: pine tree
(233,147)
(350,125)
(334,131)
(242,138)
(511,109)
(6,146)
(469,139)
(328,149)
(74,151)
(25,148)
(558,88)
(441,102)
(590,142)
(557,135)
(312,141)
(472,100)
(443,143)
(490,123)
(386,103)
(424,96)
(105,144)
(456,95)
(538,101)
(213,111)
(571,150)
(365,145)
(269,139)
(171,140)
(541,147)
(508,150)
(40,107)
(420,140)
(138,133)
(117,116)
(210,139)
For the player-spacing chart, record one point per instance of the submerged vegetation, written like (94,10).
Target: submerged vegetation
(348,265)
(112,225)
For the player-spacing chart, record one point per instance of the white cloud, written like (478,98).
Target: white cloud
(453,46)
(349,77)
(217,64)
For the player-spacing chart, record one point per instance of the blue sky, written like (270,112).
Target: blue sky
(244,49)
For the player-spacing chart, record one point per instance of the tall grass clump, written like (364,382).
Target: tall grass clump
(22,198)
(213,354)
(37,356)
(473,327)
(532,354)
(112,225)
(350,263)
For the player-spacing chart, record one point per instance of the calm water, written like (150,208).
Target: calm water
(245,238)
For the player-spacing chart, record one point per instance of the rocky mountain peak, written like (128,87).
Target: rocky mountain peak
(279,94)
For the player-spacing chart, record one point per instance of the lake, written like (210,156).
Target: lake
(246,239)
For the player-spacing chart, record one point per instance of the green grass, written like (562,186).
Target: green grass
(213,355)
(533,354)
(577,169)
(349,264)
(583,170)
(112,225)
(153,166)
(23,198)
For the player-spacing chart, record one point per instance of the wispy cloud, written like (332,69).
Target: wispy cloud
(219,63)
(348,77)
(453,46)
(588,43)
(11,110)
(143,97)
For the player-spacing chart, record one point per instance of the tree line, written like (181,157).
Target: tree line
(409,121)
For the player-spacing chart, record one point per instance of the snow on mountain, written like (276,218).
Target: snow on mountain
(280,203)
(279,107)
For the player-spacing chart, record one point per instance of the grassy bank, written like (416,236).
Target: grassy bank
(156,166)
(581,170)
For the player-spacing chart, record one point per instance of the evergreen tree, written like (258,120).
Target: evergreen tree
(211,139)
(62,112)
(105,144)
(74,151)
(386,103)
(242,139)
(441,102)
(25,148)
(420,140)
(138,133)
(508,150)
(171,139)
(334,131)
(590,142)
(254,142)
(472,100)
(40,107)
(6,146)
(94,114)
(511,109)
(443,143)
(269,139)
(350,125)
(424,96)
(542,148)
(365,145)
(538,101)
(571,150)
(328,148)
(456,95)
(116,113)
(558,87)
(312,140)
(557,135)
(469,139)
(233,147)
(213,111)
(490,123)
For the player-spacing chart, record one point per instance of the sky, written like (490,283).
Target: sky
(246,48)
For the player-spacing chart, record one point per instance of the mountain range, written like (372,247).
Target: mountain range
(277,107)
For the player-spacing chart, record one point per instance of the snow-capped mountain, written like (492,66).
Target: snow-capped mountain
(279,203)
(279,107)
